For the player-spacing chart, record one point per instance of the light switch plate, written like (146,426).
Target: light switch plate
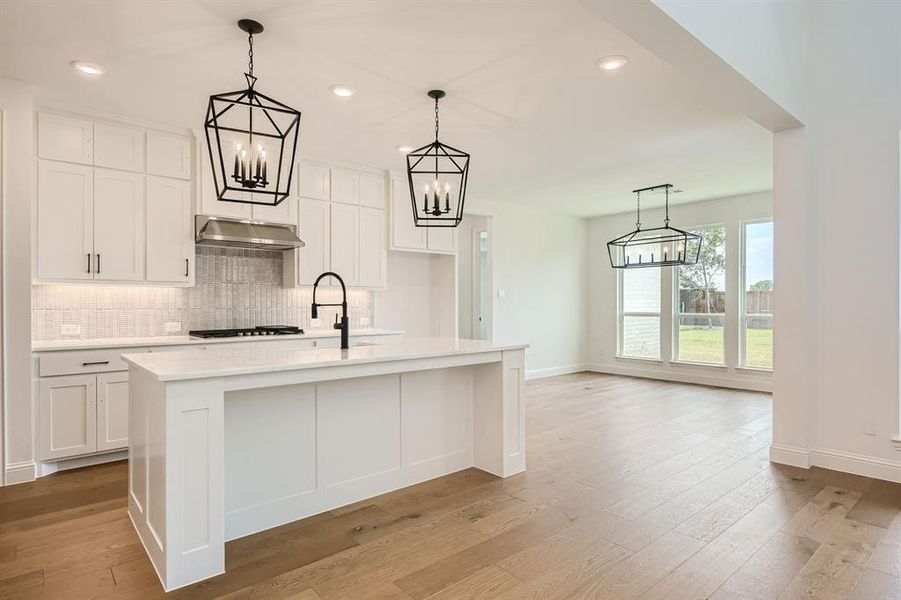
(501,293)
(173,326)
(71,329)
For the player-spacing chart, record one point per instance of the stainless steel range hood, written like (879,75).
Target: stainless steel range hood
(235,233)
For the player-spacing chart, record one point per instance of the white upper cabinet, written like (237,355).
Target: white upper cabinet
(314,231)
(372,191)
(65,223)
(168,155)
(69,139)
(314,181)
(373,255)
(405,235)
(345,186)
(209,204)
(170,238)
(442,239)
(285,212)
(118,147)
(345,242)
(118,225)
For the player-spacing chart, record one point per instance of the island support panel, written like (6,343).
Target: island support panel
(217,459)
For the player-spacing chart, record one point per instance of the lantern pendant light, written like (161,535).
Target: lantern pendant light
(437,174)
(252,140)
(657,247)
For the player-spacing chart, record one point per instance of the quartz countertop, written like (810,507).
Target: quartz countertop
(233,359)
(185,340)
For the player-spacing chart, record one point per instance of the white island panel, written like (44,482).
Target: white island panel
(227,442)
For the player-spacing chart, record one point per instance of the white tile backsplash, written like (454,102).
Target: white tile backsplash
(234,288)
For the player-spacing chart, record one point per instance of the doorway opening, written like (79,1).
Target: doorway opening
(475,278)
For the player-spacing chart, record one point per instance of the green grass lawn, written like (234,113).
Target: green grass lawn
(698,344)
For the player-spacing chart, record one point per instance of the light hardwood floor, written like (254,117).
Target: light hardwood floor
(634,489)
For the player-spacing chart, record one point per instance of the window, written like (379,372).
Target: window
(700,303)
(757,303)
(639,324)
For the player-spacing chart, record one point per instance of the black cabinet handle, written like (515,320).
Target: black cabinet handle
(96,362)
(186,267)
(98,263)
(89,263)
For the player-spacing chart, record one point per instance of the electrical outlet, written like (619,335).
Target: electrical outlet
(364,321)
(501,293)
(315,323)
(71,329)
(173,326)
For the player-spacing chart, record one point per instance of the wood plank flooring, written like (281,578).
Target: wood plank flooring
(634,489)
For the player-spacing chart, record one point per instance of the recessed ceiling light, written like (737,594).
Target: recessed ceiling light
(405,149)
(612,63)
(342,91)
(88,68)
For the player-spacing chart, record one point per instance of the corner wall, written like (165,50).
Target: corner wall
(18,132)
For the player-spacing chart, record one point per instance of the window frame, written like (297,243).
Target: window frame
(621,318)
(743,284)
(677,315)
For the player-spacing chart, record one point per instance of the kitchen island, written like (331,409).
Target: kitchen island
(231,440)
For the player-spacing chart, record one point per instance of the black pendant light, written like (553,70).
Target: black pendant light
(437,174)
(252,140)
(658,247)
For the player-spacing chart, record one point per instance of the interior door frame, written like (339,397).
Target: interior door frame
(474,282)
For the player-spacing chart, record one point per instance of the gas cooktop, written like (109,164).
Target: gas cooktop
(259,330)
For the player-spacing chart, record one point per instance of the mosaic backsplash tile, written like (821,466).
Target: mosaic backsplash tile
(234,288)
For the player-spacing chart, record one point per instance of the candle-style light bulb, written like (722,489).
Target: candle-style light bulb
(446,197)
(665,250)
(237,154)
(425,199)
(243,165)
(263,155)
(259,167)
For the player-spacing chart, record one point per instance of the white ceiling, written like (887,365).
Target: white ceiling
(545,128)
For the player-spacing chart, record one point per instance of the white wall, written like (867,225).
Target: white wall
(420,297)
(17,178)
(603,316)
(540,261)
(836,212)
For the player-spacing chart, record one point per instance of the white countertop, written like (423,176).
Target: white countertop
(184,340)
(233,359)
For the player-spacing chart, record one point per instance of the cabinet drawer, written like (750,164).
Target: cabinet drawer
(84,361)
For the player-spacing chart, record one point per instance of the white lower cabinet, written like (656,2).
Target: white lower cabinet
(67,416)
(112,410)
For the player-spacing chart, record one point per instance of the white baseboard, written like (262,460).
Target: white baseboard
(836,460)
(20,472)
(48,468)
(684,376)
(859,464)
(552,371)
(790,455)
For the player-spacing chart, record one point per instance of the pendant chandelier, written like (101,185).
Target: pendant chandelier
(658,247)
(437,174)
(252,140)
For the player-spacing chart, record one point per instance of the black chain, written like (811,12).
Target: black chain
(250,53)
(666,220)
(638,211)
(436,119)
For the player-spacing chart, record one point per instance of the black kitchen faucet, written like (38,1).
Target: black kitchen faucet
(343,325)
